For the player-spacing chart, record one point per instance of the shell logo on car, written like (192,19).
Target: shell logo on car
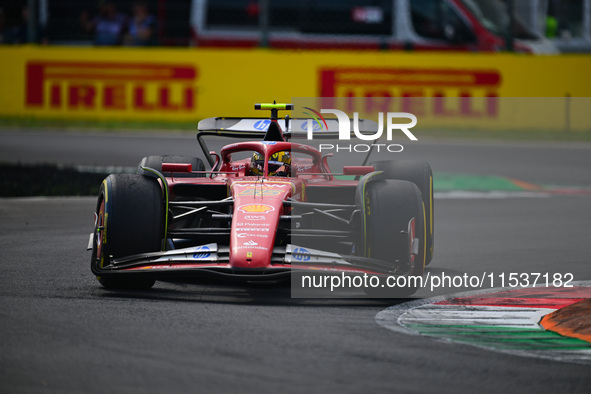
(256,208)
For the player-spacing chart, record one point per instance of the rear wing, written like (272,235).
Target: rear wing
(292,127)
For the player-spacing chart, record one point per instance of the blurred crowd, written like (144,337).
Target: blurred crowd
(112,27)
(14,25)
(107,24)
(185,22)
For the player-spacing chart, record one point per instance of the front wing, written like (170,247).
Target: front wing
(212,260)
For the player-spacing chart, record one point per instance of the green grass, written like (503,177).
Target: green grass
(508,135)
(443,181)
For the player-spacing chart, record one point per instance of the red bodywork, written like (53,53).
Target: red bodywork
(258,201)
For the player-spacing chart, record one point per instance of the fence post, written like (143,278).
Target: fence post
(32,21)
(509,39)
(264,22)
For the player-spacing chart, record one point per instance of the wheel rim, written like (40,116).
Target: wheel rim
(411,237)
(100,225)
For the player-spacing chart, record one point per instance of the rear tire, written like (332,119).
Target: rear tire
(130,220)
(155,162)
(392,210)
(421,174)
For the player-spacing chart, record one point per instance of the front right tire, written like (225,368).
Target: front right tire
(394,231)
(421,174)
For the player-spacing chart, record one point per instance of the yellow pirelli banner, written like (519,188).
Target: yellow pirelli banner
(190,84)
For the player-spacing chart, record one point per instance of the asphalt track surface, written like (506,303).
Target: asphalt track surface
(61,332)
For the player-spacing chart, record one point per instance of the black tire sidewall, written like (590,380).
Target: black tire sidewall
(421,174)
(389,207)
(134,223)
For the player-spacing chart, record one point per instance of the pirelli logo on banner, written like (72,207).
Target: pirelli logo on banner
(129,87)
(399,88)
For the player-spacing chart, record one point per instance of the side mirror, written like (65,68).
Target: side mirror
(177,167)
(217,159)
(357,170)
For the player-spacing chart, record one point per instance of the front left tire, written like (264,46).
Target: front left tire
(130,220)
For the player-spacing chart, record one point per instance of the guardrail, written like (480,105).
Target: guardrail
(190,84)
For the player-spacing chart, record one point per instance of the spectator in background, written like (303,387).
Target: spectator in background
(14,26)
(142,26)
(108,26)
(2,24)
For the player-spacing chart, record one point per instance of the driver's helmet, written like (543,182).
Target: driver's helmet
(279,164)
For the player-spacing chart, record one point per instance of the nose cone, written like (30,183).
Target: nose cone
(258,207)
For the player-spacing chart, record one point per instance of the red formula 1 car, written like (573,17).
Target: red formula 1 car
(266,209)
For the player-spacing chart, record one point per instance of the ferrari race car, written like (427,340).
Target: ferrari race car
(268,208)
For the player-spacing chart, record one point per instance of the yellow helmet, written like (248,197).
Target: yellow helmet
(279,164)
